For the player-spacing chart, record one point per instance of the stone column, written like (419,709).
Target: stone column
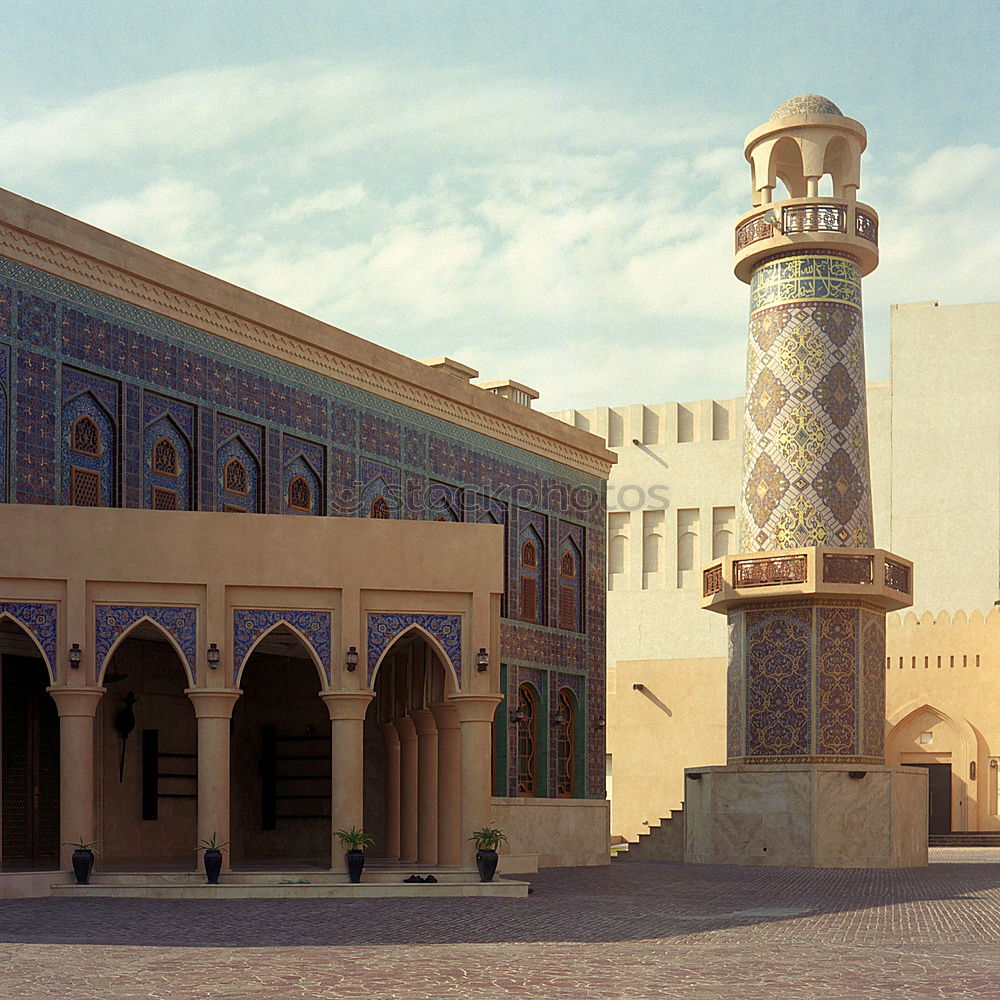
(449,761)
(427,786)
(390,848)
(347,778)
(475,714)
(408,781)
(76,707)
(214,711)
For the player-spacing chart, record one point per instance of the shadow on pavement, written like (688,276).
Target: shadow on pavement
(622,902)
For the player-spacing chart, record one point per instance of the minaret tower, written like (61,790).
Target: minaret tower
(806,781)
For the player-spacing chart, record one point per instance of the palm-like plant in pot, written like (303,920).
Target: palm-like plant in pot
(355,841)
(213,857)
(83,859)
(487,840)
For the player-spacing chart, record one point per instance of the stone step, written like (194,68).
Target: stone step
(499,888)
(316,878)
(661,841)
(965,838)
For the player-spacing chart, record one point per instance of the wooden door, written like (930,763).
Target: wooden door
(30,746)
(938,797)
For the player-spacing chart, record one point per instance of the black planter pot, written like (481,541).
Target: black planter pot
(355,864)
(486,862)
(83,862)
(213,865)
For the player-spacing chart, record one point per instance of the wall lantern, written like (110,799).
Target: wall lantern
(482,660)
(214,655)
(516,716)
(560,717)
(599,722)
(351,659)
(75,656)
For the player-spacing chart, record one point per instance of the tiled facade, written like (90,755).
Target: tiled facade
(806,477)
(805,683)
(245,426)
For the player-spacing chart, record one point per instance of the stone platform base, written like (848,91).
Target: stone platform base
(288,885)
(806,816)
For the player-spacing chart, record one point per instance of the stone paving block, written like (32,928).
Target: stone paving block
(624,932)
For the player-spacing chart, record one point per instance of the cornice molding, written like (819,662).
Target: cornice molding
(101,276)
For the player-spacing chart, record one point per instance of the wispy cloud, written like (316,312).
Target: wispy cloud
(523,227)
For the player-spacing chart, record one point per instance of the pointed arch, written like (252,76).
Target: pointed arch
(107,656)
(310,649)
(7,615)
(529,702)
(435,644)
(568,743)
(531,576)
(571,586)
(902,717)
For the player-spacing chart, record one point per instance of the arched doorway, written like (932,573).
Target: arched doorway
(29,755)
(147,756)
(928,737)
(280,759)
(412,762)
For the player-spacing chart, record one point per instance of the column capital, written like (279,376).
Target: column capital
(213,703)
(476,707)
(406,728)
(424,722)
(82,701)
(344,705)
(445,715)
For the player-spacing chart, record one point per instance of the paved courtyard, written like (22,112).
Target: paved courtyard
(631,930)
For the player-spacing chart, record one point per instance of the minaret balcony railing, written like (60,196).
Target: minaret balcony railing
(871,575)
(814,223)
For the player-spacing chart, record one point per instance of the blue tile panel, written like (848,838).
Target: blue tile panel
(112,621)
(384,628)
(224,400)
(250,624)
(41,620)
(806,682)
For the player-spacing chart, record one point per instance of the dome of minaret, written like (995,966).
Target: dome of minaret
(806,104)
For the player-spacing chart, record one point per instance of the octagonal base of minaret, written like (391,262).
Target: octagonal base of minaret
(806,815)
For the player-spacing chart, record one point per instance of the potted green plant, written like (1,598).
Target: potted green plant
(83,859)
(355,841)
(213,857)
(487,840)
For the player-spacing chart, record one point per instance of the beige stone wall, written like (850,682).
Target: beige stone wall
(942,706)
(561,832)
(676,720)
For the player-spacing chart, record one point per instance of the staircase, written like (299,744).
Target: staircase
(970,838)
(662,841)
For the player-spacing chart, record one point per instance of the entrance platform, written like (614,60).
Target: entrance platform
(378,881)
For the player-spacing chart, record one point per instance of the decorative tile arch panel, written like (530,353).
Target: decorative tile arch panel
(250,624)
(385,628)
(112,621)
(40,619)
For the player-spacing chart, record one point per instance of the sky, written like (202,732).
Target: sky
(543,191)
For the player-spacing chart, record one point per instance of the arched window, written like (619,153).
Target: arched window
(530,597)
(527,741)
(565,744)
(86,437)
(299,494)
(569,618)
(165,458)
(236,479)
(529,555)
(380,508)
